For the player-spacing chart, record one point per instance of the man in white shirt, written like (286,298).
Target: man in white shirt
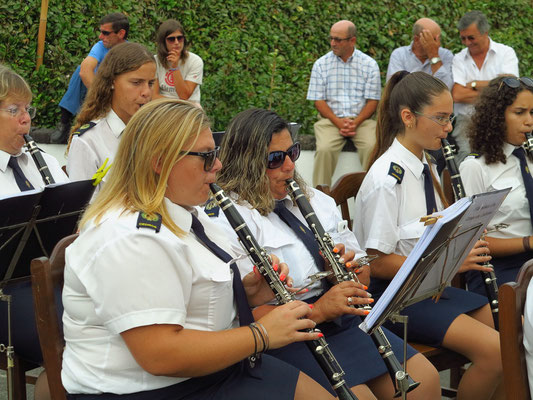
(473,68)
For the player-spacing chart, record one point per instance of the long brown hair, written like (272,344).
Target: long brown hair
(165,29)
(122,58)
(405,90)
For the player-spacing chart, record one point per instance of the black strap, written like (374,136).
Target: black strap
(431,203)
(22,182)
(526,176)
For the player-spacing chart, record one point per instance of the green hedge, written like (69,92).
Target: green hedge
(256,53)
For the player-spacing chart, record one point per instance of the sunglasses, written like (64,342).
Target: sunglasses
(514,83)
(208,156)
(172,39)
(277,158)
(106,33)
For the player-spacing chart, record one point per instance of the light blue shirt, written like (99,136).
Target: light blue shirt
(345,86)
(403,58)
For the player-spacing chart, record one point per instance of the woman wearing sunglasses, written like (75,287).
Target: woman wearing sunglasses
(150,297)
(503,116)
(259,155)
(414,114)
(179,72)
(123,84)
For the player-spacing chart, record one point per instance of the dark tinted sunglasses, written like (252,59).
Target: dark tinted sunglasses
(106,33)
(277,158)
(514,83)
(172,39)
(208,156)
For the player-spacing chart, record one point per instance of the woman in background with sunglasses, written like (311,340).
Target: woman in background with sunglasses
(179,72)
(503,116)
(259,155)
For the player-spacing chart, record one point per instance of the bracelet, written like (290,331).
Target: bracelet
(264,336)
(525,242)
(254,356)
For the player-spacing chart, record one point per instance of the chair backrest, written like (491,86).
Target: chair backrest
(512,299)
(47,280)
(345,188)
(447,186)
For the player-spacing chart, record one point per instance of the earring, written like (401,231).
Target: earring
(112,87)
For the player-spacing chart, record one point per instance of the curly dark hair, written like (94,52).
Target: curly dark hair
(487,130)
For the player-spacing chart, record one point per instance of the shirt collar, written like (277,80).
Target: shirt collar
(412,162)
(508,149)
(5,156)
(115,123)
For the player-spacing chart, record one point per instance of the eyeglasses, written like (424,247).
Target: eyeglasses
(106,33)
(172,39)
(439,119)
(277,158)
(514,83)
(17,111)
(470,38)
(208,156)
(337,39)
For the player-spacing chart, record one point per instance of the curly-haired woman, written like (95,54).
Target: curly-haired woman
(503,116)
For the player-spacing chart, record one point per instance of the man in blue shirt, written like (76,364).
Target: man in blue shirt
(345,86)
(113,30)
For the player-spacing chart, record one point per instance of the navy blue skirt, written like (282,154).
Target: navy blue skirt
(429,321)
(278,381)
(354,350)
(505,268)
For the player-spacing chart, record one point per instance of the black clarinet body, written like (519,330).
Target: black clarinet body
(489,278)
(326,245)
(38,160)
(528,144)
(319,347)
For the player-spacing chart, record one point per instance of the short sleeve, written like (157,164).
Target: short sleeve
(196,71)
(82,161)
(471,172)
(373,82)
(458,70)
(395,63)
(317,83)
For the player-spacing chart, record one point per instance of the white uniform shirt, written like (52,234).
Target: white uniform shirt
(8,184)
(88,151)
(387,213)
(478,177)
(500,59)
(191,70)
(528,334)
(118,277)
(276,237)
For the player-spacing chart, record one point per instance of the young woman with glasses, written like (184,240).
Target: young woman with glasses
(259,155)
(502,119)
(151,296)
(123,84)
(414,114)
(179,71)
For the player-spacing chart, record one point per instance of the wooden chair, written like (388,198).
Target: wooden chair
(347,187)
(47,278)
(512,298)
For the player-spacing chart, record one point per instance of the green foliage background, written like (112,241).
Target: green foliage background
(256,52)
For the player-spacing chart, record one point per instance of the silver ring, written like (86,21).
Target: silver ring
(349,301)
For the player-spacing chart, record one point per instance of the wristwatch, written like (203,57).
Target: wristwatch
(473,85)
(434,60)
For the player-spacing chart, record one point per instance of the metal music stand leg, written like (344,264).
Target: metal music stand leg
(402,377)
(9,348)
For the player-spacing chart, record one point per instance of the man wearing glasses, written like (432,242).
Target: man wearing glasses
(424,53)
(346,87)
(113,30)
(473,67)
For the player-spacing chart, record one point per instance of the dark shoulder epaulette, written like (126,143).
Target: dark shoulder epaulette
(396,172)
(152,222)
(84,128)
(475,155)
(212,208)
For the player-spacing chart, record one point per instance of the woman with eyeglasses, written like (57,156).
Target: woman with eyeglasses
(123,84)
(19,173)
(259,155)
(401,186)
(503,116)
(179,71)
(151,295)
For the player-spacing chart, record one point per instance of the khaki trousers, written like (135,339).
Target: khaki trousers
(329,143)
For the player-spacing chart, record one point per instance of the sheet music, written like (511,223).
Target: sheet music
(450,238)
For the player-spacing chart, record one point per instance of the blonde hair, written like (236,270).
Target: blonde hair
(13,85)
(155,136)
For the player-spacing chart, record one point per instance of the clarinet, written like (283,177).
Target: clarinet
(401,380)
(489,278)
(319,347)
(39,160)
(528,144)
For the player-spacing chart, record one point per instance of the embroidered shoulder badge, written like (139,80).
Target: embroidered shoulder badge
(396,172)
(84,128)
(152,222)
(212,208)
(475,155)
